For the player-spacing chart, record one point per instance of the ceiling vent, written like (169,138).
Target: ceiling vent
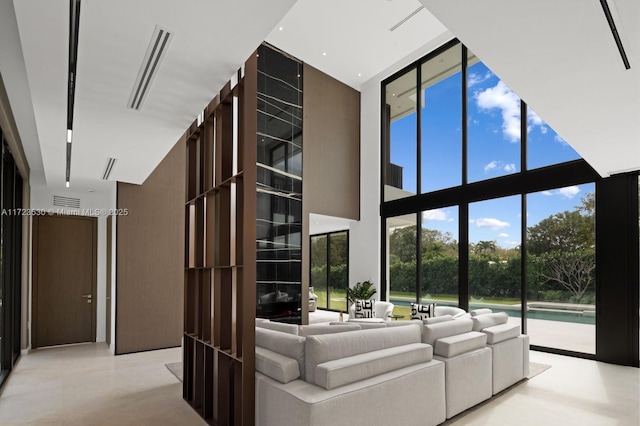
(405,19)
(109,168)
(68,202)
(149,69)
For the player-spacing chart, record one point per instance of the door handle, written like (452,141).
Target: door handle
(88,297)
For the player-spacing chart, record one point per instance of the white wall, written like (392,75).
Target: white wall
(42,198)
(364,236)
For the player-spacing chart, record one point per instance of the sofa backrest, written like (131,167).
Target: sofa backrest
(279,326)
(433,332)
(329,347)
(481,322)
(286,344)
(314,329)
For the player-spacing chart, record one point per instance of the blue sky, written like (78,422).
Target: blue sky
(493,150)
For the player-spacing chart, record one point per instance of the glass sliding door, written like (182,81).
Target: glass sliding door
(10,261)
(439,256)
(402,262)
(494,255)
(319,266)
(561,267)
(330,269)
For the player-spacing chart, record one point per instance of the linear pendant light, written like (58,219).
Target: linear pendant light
(74,26)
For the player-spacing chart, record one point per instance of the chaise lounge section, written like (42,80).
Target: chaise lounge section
(357,377)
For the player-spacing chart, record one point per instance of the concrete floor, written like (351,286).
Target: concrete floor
(86,385)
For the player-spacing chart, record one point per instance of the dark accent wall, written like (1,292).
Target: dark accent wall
(149,259)
(617,274)
(279,186)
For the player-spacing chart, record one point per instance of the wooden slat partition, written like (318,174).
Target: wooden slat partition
(220,258)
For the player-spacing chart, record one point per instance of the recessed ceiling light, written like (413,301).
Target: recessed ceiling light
(393,94)
(280,28)
(324,53)
(359,74)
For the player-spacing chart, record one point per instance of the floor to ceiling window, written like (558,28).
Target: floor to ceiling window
(10,260)
(486,181)
(330,269)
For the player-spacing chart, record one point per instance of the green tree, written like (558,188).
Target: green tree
(567,231)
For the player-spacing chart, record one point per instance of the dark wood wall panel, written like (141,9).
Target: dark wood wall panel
(150,251)
(331,134)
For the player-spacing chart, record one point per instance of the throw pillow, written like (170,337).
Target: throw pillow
(365,308)
(423,312)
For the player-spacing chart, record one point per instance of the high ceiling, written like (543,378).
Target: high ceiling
(558,56)
(211,41)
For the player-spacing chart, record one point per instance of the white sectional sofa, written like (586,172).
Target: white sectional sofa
(352,373)
(360,377)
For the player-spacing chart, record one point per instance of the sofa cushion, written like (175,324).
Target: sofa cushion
(365,308)
(435,320)
(481,322)
(500,333)
(433,332)
(283,343)
(449,310)
(278,367)
(311,330)
(328,347)
(451,346)
(280,326)
(423,312)
(343,371)
(481,311)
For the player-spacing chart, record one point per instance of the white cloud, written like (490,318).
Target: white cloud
(500,96)
(474,78)
(503,235)
(491,223)
(560,139)
(435,215)
(567,192)
(492,165)
(499,165)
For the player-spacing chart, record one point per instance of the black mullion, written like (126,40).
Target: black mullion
(418,257)
(328,237)
(523,219)
(418,130)
(524,285)
(464,114)
(463,257)
(383,169)
(419,181)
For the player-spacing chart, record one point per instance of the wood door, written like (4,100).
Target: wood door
(64,280)
(109,266)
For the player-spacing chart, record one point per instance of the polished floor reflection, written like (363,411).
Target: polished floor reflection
(85,385)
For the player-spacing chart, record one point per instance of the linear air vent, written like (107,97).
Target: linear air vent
(149,69)
(109,167)
(68,202)
(409,16)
